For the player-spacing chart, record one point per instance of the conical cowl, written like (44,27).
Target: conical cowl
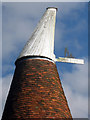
(36,90)
(41,43)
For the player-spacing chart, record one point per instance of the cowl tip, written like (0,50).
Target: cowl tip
(52,8)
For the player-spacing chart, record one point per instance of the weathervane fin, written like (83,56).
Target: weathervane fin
(69,60)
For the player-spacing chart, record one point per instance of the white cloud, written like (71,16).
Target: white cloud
(4,89)
(78,103)
(61,33)
(89,104)
(75,86)
(0,97)
(89,88)
(7,67)
(6,81)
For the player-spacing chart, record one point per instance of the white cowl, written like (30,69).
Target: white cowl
(41,42)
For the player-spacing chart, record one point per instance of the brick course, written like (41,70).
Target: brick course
(36,92)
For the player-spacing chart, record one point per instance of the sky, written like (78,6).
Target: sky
(18,23)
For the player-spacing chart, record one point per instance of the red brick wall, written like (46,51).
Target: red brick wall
(36,92)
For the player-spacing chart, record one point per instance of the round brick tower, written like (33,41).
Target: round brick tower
(36,90)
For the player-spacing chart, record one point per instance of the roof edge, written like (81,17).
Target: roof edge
(33,57)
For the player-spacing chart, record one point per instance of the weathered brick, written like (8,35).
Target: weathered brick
(36,92)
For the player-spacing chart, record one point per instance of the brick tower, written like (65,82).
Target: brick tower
(36,90)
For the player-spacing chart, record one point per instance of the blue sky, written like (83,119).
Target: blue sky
(19,21)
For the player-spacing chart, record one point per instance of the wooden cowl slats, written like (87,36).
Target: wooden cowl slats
(41,42)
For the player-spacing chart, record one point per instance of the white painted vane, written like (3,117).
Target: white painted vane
(70,60)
